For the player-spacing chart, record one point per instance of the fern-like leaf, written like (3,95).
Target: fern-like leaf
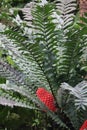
(79,92)
(7,71)
(67,9)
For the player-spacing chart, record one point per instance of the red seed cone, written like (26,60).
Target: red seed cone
(84,126)
(47,98)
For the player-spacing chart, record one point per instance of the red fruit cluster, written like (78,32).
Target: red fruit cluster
(84,126)
(47,98)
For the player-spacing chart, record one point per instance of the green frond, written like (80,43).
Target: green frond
(67,55)
(65,101)
(25,61)
(24,87)
(40,47)
(46,38)
(57,119)
(70,110)
(67,9)
(10,73)
(79,92)
(83,51)
(73,101)
(83,58)
(9,96)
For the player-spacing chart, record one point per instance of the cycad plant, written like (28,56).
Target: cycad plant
(45,68)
